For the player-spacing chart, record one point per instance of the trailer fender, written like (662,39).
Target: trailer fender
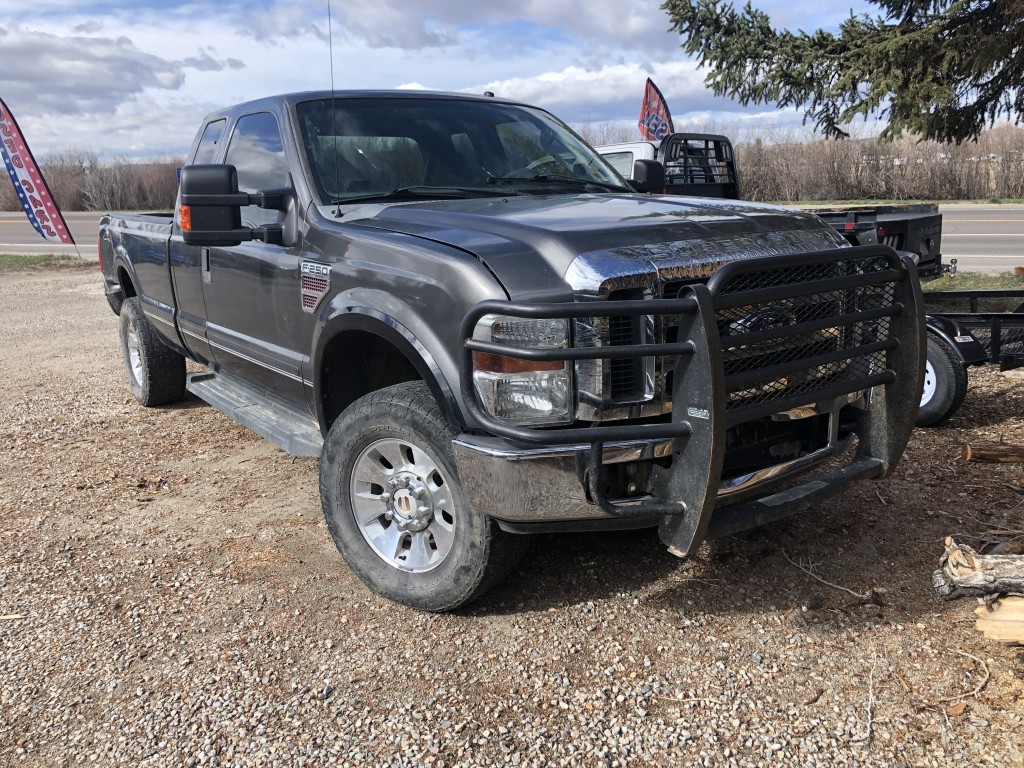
(966,347)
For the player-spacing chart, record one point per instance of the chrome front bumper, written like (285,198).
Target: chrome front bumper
(533,485)
(545,485)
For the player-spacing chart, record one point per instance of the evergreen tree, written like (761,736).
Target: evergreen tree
(938,69)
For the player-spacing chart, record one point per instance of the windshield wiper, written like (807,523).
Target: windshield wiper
(419,193)
(559,179)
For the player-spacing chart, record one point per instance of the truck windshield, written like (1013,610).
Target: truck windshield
(369,147)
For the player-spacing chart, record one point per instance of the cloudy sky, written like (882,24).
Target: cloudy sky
(135,77)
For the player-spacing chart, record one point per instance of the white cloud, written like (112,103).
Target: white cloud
(608,93)
(118,76)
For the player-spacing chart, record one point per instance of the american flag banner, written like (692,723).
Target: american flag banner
(29,183)
(655,119)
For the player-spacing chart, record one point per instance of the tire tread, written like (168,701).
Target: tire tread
(952,388)
(163,368)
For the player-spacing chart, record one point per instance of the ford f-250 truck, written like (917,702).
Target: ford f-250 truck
(483,332)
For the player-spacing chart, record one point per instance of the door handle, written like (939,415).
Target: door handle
(204,259)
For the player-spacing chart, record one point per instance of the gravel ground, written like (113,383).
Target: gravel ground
(169,596)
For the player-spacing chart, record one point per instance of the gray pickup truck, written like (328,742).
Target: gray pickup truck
(483,331)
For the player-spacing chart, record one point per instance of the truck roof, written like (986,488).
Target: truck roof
(291,99)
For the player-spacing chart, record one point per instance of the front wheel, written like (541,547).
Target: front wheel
(394,507)
(945,383)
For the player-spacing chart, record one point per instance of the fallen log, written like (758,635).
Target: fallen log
(999,453)
(1002,619)
(964,573)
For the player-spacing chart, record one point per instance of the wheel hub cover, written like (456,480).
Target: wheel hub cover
(402,504)
(410,504)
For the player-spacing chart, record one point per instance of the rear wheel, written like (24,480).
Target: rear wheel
(156,373)
(393,504)
(945,383)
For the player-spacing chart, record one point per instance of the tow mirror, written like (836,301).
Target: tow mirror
(210,212)
(648,176)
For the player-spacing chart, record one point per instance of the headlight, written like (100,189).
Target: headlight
(524,391)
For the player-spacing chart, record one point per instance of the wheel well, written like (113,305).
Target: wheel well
(356,363)
(125,281)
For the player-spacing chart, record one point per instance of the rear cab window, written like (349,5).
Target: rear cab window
(206,152)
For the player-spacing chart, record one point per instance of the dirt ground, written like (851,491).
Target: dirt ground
(169,595)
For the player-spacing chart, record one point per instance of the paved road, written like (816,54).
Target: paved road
(983,238)
(17,235)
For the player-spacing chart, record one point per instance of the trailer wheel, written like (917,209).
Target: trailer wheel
(945,383)
(156,373)
(394,506)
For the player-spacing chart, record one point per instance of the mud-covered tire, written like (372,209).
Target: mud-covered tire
(394,506)
(945,383)
(156,373)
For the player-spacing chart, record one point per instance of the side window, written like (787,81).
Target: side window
(207,149)
(257,152)
(621,162)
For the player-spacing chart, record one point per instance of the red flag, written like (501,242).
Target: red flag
(655,119)
(29,183)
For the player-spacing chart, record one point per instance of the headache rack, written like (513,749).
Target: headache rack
(761,337)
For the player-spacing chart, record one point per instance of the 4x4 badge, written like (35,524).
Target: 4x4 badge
(316,283)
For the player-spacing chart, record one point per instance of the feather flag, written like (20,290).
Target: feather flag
(29,183)
(655,119)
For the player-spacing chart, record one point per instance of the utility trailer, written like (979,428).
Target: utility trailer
(981,315)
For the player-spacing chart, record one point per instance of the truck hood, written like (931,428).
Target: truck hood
(543,247)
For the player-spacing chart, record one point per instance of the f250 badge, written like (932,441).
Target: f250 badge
(316,283)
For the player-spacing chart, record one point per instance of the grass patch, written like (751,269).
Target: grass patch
(975,281)
(17,262)
(852,203)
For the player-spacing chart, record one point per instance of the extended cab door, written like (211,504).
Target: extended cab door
(188,261)
(255,321)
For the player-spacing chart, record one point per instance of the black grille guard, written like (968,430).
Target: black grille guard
(874,341)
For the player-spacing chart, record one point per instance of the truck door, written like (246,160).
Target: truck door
(187,261)
(253,302)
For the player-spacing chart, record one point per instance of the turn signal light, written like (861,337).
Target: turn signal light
(486,361)
(185,218)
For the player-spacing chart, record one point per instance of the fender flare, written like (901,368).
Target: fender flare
(405,341)
(119,262)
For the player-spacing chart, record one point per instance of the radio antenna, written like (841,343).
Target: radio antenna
(334,112)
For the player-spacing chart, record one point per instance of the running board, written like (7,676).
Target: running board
(284,426)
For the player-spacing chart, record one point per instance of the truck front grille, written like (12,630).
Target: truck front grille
(785,333)
(820,331)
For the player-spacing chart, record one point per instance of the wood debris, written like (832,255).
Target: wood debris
(1002,619)
(1001,453)
(964,573)
(999,578)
